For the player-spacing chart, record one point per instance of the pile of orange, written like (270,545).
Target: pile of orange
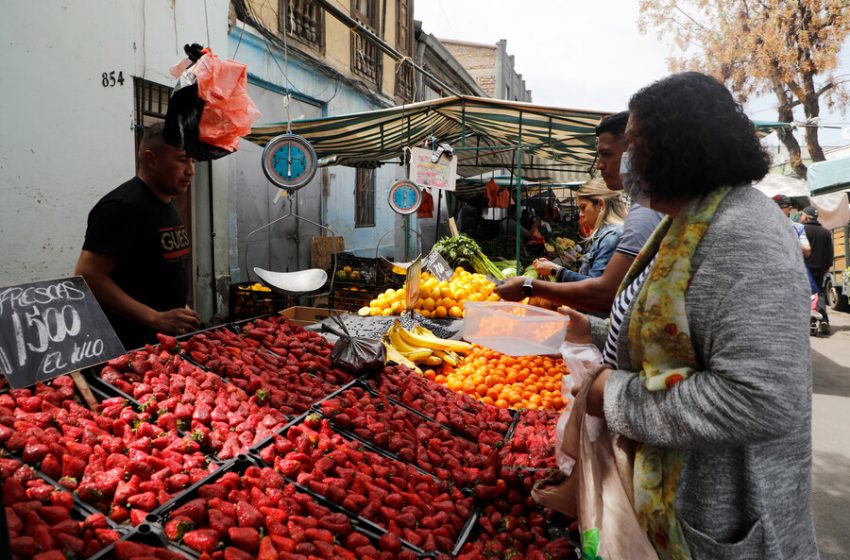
(532,382)
(436,298)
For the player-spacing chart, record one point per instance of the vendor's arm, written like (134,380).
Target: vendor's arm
(592,294)
(95,268)
(758,372)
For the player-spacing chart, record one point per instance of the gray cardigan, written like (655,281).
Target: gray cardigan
(744,421)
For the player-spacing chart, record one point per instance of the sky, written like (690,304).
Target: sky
(582,54)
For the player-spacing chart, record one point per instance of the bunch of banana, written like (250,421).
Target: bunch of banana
(421,347)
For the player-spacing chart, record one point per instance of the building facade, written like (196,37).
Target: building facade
(492,67)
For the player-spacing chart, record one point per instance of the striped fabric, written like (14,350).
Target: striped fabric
(559,145)
(618,311)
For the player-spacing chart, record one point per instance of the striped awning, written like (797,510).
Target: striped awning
(484,133)
(559,145)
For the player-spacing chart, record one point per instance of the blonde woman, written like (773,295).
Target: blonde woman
(601,214)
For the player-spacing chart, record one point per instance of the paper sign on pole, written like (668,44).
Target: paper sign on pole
(425,173)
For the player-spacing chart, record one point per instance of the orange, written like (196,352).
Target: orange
(440,311)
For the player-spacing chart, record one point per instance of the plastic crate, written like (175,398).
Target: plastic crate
(352,298)
(363,271)
(246,303)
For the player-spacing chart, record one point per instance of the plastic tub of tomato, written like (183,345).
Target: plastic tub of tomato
(514,329)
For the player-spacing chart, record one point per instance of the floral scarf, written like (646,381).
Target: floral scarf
(661,350)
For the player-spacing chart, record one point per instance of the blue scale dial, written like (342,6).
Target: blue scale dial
(289,161)
(405,197)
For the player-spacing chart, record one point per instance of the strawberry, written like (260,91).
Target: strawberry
(219,521)
(176,527)
(202,540)
(233,553)
(128,550)
(70,543)
(167,343)
(145,501)
(53,514)
(247,515)
(196,510)
(267,550)
(13,491)
(246,538)
(23,547)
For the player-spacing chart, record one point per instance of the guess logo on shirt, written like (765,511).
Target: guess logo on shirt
(175,242)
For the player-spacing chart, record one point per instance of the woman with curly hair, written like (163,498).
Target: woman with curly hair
(601,213)
(707,353)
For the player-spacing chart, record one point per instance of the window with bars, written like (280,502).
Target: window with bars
(303,20)
(364,198)
(364,53)
(151,104)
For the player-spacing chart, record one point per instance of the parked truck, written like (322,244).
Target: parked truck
(837,282)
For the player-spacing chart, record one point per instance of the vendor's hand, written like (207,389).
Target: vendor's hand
(544,267)
(578,329)
(596,395)
(510,289)
(175,321)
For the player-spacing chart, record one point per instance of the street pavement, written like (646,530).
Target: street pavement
(831,438)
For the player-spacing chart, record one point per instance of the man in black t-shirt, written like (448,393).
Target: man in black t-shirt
(137,253)
(820,260)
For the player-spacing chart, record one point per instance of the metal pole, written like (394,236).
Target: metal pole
(212,239)
(437,221)
(406,237)
(518,193)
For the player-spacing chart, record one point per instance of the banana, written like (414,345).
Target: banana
(400,344)
(394,355)
(419,355)
(432,360)
(428,341)
(448,357)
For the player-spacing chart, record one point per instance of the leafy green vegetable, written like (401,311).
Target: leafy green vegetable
(463,250)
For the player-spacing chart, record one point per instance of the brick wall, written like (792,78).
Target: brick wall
(478,60)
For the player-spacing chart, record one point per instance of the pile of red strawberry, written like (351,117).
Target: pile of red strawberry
(257,514)
(512,525)
(412,506)
(42,521)
(409,437)
(532,443)
(461,413)
(116,459)
(284,383)
(219,416)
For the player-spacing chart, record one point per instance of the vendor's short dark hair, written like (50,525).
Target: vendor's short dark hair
(615,124)
(688,137)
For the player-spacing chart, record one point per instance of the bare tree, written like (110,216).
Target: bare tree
(756,47)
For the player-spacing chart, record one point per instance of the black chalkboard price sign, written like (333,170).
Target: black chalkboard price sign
(438,266)
(50,328)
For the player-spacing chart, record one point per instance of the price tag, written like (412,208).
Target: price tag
(50,328)
(411,284)
(438,266)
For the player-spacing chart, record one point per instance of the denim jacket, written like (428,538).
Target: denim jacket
(602,247)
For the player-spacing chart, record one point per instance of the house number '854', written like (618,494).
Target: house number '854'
(109,79)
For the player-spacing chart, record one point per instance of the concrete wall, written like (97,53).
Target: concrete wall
(509,84)
(67,140)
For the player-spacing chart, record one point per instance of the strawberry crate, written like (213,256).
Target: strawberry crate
(42,516)
(235,507)
(409,437)
(146,541)
(464,415)
(427,514)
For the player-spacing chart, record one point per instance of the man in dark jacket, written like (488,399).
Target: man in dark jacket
(821,258)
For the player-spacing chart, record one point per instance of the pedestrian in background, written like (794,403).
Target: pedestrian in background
(821,258)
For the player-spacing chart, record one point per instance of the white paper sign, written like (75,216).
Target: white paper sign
(426,173)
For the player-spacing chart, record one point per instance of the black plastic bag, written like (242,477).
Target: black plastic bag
(184,113)
(355,353)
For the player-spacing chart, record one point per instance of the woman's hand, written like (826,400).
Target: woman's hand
(544,267)
(578,329)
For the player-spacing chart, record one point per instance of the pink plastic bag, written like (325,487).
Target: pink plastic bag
(228,112)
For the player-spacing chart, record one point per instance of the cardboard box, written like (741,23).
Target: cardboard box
(306,315)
